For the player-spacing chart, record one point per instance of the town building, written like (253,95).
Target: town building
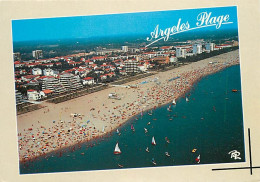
(197,49)
(125,48)
(36,71)
(50,72)
(33,95)
(88,81)
(131,66)
(19,97)
(53,84)
(46,93)
(173,59)
(17,56)
(70,81)
(37,54)
(181,52)
(210,46)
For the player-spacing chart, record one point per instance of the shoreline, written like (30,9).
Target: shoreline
(128,117)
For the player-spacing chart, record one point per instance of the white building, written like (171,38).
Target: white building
(142,68)
(53,84)
(88,81)
(173,59)
(36,71)
(125,48)
(209,46)
(18,97)
(45,93)
(131,66)
(37,54)
(48,72)
(197,49)
(181,52)
(33,95)
(70,81)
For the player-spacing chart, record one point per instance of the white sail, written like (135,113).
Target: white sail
(187,100)
(117,131)
(173,101)
(103,130)
(117,149)
(153,141)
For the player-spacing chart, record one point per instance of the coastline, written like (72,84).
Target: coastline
(181,87)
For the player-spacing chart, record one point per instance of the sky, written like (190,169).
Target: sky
(128,24)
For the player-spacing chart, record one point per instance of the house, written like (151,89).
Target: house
(46,93)
(142,68)
(33,95)
(88,81)
(103,77)
(29,77)
(36,71)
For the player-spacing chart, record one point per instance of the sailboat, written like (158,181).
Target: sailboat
(187,99)
(103,130)
(153,141)
(173,102)
(117,150)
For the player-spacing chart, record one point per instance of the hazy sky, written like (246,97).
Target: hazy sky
(112,25)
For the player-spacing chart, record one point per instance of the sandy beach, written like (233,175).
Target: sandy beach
(55,126)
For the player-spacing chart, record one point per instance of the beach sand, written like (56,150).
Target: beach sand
(53,127)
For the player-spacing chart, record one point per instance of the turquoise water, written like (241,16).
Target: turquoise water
(214,136)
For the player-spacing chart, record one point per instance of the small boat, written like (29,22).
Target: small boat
(145,130)
(194,150)
(153,161)
(234,90)
(169,108)
(119,165)
(151,113)
(132,128)
(187,99)
(198,159)
(173,102)
(153,141)
(117,131)
(148,123)
(117,150)
(147,149)
(167,154)
(167,140)
(82,153)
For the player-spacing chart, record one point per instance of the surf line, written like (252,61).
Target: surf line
(204,20)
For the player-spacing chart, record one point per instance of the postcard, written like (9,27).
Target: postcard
(131,92)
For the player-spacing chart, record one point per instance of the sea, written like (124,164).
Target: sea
(210,122)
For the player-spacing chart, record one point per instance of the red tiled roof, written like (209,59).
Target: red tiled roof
(47,91)
(88,78)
